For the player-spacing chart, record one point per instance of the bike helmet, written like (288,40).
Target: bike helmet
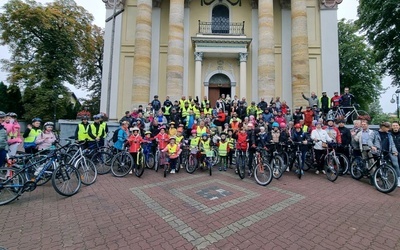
(12,114)
(204,135)
(36,120)
(135,129)
(282,125)
(172,138)
(194,131)
(297,125)
(161,127)
(96,117)
(85,118)
(2,114)
(275,125)
(147,133)
(48,124)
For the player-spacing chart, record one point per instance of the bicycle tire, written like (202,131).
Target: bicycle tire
(102,161)
(141,166)
(178,165)
(343,163)
(215,159)
(240,165)
(363,115)
(331,168)
(308,162)
(385,179)
(263,174)
(191,164)
(10,191)
(36,162)
(150,161)
(298,159)
(87,171)
(121,164)
(166,169)
(157,161)
(277,167)
(356,168)
(66,180)
(210,168)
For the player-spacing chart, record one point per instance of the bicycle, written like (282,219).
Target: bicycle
(340,114)
(193,162)
(332,163)
(383,176)
(148,156)
(263,172)
(296,161)
(241,160)
(121,163)
(275,160)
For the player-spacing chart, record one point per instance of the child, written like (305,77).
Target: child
(223,150)
(162,138)
(173,151)
(205,146)
(134,142)
(46,139)
(172,129)
(231,142)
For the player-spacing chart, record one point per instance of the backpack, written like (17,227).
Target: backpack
(115,135)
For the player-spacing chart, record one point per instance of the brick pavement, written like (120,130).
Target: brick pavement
(199,211)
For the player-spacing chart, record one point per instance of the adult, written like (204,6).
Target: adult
(396,139)
(96,133)
(262,104)
(313,99)
(335,100)
(82,129)
(320,138)
(167,102)
(32,130)
(347,99)
(123,133)
(365,140)
(345,135)
(127,117)
(155,104)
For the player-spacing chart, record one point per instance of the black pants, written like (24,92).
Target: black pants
(318,157)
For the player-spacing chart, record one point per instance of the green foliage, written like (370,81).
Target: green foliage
(380,20)
(359,69)
(14,99)
(3,97)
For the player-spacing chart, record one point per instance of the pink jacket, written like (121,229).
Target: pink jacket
(13,132)
(45,140)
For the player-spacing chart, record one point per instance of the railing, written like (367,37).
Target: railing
(221,27)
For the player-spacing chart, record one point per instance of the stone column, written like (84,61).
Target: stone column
(243,75)
(142,61)
(198,57)
(266,49)
(300,60)
(175,50)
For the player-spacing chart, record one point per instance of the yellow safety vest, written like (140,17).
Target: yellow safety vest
(201,131)
(32,135)
(83,132)
(95,132)
(167,110)
(172,150)
(305,128)
(194,142)
(208,111)
(223,148)
(205,145)
(179,139)
(185,112)
(231,142)
(196,112)
(103,126)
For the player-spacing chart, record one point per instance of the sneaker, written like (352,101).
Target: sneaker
(220,169)
(236,172)
(398,181)
(172,171)
(131,172)
(224,168)
(323,171)
(287,169)
(317,172)
(302,172)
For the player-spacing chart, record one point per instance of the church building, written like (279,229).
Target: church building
(246,48)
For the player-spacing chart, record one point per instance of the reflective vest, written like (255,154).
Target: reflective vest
(182,103)
(231,142)
(208,111)
(204,103)
(32,135)
(223,148)
(12,135)
(194,142)
(172,149)
(83,132)
(103,125)
(205,145)
(201,131)
(167,110)
(179,139)
(96,132)
(305,128)
(196,112)
(185,111)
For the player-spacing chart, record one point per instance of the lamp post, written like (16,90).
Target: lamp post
(55,109)
(397,93)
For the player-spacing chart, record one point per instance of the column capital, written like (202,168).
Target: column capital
(198,56)
(330,4)
(110,3)
(243,57)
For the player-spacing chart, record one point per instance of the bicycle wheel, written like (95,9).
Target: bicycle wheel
(121,164)
(299,170)
(356,168)
(65,180)
(166,169)
(140,166)
(332,167)
(241,165)
(385,179)
(157,161)
(102,161)
(209,167)
(150,161)
(87,171)
(263,174)
(277,166)
(11,185)
(360,115)
(308,162)
(191,164)
(215,159)
(343,163)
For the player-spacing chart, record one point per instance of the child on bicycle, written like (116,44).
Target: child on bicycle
(231,142)
(162,138)
(173,151)
(205,146)
(223,150)
(299,135)
(134,142)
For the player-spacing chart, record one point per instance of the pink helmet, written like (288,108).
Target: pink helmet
(194,131)
(282,125)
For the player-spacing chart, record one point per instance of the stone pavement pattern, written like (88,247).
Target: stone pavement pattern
(199,211)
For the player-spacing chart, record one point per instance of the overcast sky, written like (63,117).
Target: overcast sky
(347,10)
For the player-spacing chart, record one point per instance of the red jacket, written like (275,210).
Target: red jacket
(163,140)
(241,142)
(134,143)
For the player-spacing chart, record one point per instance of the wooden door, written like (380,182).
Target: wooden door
(213,95)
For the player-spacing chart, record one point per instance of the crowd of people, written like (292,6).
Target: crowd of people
(229,124)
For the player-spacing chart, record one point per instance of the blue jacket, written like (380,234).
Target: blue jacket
(122,137)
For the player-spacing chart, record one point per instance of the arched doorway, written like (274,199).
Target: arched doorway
(218,84)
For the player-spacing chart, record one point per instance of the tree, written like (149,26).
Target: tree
(14,100)
(50,44)
(359,69)
(380,20)
(3,97)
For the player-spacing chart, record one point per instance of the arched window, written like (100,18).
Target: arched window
(220,19)
(220,79)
